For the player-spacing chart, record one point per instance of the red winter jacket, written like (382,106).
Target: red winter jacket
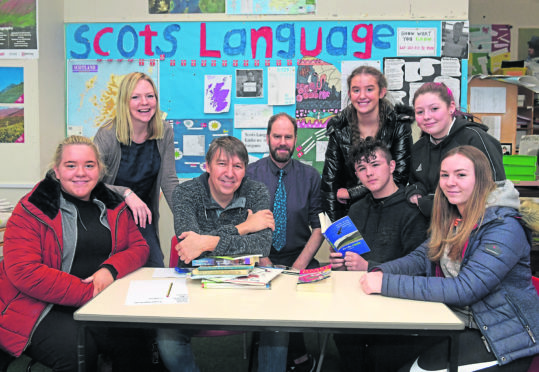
(30,273)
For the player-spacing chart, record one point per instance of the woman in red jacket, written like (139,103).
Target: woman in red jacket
(67,240)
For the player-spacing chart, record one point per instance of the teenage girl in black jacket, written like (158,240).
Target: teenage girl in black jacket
(369,114)
(444,128)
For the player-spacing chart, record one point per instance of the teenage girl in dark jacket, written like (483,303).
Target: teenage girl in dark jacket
(369,114)
(444,128)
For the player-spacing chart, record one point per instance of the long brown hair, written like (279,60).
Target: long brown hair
(444,213)
(384,106)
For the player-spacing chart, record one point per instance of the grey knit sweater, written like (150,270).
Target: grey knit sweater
(195,210)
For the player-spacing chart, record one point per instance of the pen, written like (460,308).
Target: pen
(169,288)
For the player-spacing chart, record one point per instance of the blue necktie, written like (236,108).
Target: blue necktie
(279,214)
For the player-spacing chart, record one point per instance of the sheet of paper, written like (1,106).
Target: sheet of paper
(255,140)
(393,71)
(281,85)
(194,145)
(217,93)
(321,147)
(252,116)
(487,100)
(152,292)
(419,41)
(167,272)
(494,124)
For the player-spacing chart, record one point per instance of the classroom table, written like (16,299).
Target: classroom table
(344,308)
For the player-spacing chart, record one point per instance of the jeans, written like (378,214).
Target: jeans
(156,255)
(175,350)
(272,351)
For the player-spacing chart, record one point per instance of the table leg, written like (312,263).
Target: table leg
(81,348)
(454,352)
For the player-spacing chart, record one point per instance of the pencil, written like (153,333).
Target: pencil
(169,288)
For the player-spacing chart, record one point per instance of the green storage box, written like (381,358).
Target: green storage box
(520,167)
(520,160)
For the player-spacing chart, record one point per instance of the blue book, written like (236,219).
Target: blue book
(343,235)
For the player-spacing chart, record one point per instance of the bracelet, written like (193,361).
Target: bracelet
(127,193)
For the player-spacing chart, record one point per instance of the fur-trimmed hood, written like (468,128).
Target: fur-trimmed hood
(46,196)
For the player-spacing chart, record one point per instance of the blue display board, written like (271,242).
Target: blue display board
(220,78)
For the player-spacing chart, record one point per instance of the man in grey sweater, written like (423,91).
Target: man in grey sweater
(218,213)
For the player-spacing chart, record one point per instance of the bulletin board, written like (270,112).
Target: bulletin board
(227,78)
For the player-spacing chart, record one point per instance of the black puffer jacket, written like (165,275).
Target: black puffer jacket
(426,159)
(395,133)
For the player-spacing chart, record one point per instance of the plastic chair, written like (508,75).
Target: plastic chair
(173,262)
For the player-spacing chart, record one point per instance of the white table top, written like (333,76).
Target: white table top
(346,306)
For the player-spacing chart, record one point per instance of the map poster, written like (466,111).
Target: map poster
(94,85)
(18,29)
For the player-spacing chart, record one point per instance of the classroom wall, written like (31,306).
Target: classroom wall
(137,11)
(24,164)
(518,13)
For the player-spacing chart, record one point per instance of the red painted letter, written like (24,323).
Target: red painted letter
(367,40)
(97,48)
(147,34)
(313,52)
(203,51)
(267,34)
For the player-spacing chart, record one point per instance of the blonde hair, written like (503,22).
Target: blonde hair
(77,140)
(124,125)
(444,213)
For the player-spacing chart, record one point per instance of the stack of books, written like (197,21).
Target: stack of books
(223,266)
(233,272)
(315,280)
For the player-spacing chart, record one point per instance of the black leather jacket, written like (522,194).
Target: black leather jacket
(395,133)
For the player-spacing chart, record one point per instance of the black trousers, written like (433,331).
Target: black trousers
(378,353)
(472,351)
(54,344)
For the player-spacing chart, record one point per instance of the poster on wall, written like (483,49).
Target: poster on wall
(405,75)
(192,139)
(272,66)
(93,86)
(489,46)
(270,6)
(11,105)
(455,39)
(18,29)
(185,6)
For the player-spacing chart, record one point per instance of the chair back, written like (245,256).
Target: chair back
(173,260)
(535,281)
